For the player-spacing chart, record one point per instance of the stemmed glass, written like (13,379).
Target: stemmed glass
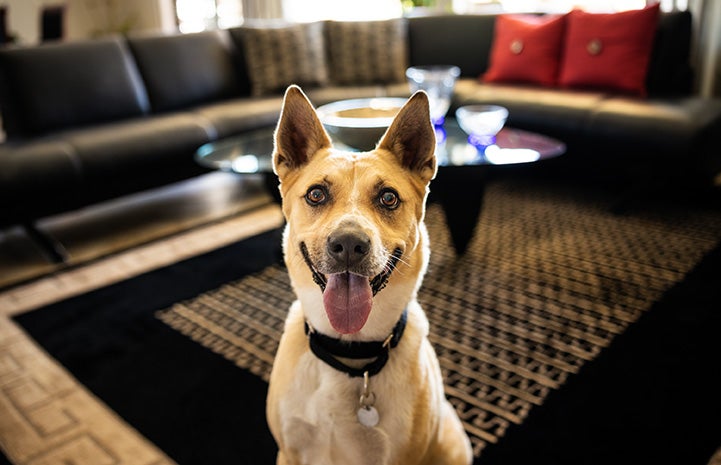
(438,81)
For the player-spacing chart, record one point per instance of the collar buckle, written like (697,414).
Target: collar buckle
(388,340)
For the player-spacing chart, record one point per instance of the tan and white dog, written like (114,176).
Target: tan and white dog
(355,378)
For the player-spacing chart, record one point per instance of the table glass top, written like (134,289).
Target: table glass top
(251,152)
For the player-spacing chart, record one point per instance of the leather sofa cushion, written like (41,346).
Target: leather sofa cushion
(135,154)
(62,85)
(559,113)
(183,70)
(671,126)
(233,117)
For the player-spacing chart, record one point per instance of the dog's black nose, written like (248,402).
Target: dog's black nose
(348,247)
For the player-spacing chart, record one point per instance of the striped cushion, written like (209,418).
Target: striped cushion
(367,52)
(279,56)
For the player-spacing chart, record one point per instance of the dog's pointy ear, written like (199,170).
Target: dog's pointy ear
(299,133)
(411,137)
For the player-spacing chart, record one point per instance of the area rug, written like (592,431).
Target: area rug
(555,290)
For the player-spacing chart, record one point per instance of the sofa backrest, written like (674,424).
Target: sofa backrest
(181,70)
(60,85)
(461,40)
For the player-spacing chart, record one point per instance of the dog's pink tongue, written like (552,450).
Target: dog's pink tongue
(348,299)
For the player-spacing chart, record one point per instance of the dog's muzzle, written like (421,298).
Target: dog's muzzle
(377,282)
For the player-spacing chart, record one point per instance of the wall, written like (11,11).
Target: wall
(91,18)
(707,47)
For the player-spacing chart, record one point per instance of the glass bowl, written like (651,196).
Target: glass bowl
(481,122)
(438,81)
(359,123)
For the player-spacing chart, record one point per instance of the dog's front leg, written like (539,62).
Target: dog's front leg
(282,460)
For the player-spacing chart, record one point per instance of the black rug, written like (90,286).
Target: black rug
(566,334)
(194,405)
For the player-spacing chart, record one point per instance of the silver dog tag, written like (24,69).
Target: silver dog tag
(368,416)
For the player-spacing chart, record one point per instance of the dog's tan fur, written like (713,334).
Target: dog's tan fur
(312,407)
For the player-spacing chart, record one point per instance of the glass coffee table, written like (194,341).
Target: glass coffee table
(458,186)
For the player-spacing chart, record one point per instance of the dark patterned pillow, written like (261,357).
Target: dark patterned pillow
(367,52)
(279,56)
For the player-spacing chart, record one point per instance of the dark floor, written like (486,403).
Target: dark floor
(117,225)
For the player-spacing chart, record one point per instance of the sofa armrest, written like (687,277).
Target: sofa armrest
(37,178)
(669,71)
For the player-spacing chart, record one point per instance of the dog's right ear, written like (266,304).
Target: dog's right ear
(411,137)
(299,133)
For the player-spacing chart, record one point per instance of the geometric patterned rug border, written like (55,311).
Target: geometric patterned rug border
(549,280)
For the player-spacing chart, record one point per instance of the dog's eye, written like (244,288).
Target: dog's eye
(316,195)
(389,199)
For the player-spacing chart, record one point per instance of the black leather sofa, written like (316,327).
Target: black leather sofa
(92,120)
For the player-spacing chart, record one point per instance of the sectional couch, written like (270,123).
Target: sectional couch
(89,121)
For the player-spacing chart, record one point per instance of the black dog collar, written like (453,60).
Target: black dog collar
(328,348)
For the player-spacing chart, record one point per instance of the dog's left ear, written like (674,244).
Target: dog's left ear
(411,137)
(299,133)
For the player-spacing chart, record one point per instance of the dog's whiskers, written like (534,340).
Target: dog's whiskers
(394,261)
(380,280)
(318,277)
(403,262)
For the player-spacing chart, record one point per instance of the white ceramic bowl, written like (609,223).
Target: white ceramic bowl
(481,121)
(359,123)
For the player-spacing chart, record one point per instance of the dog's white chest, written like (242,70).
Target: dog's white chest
(320,422)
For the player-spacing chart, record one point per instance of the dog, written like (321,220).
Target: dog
(355,379)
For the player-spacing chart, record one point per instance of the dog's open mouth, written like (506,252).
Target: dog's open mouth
(348,297)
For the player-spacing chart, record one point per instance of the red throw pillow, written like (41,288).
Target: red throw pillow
(609,50)
(526,48)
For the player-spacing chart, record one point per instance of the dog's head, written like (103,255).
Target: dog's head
(355,244)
